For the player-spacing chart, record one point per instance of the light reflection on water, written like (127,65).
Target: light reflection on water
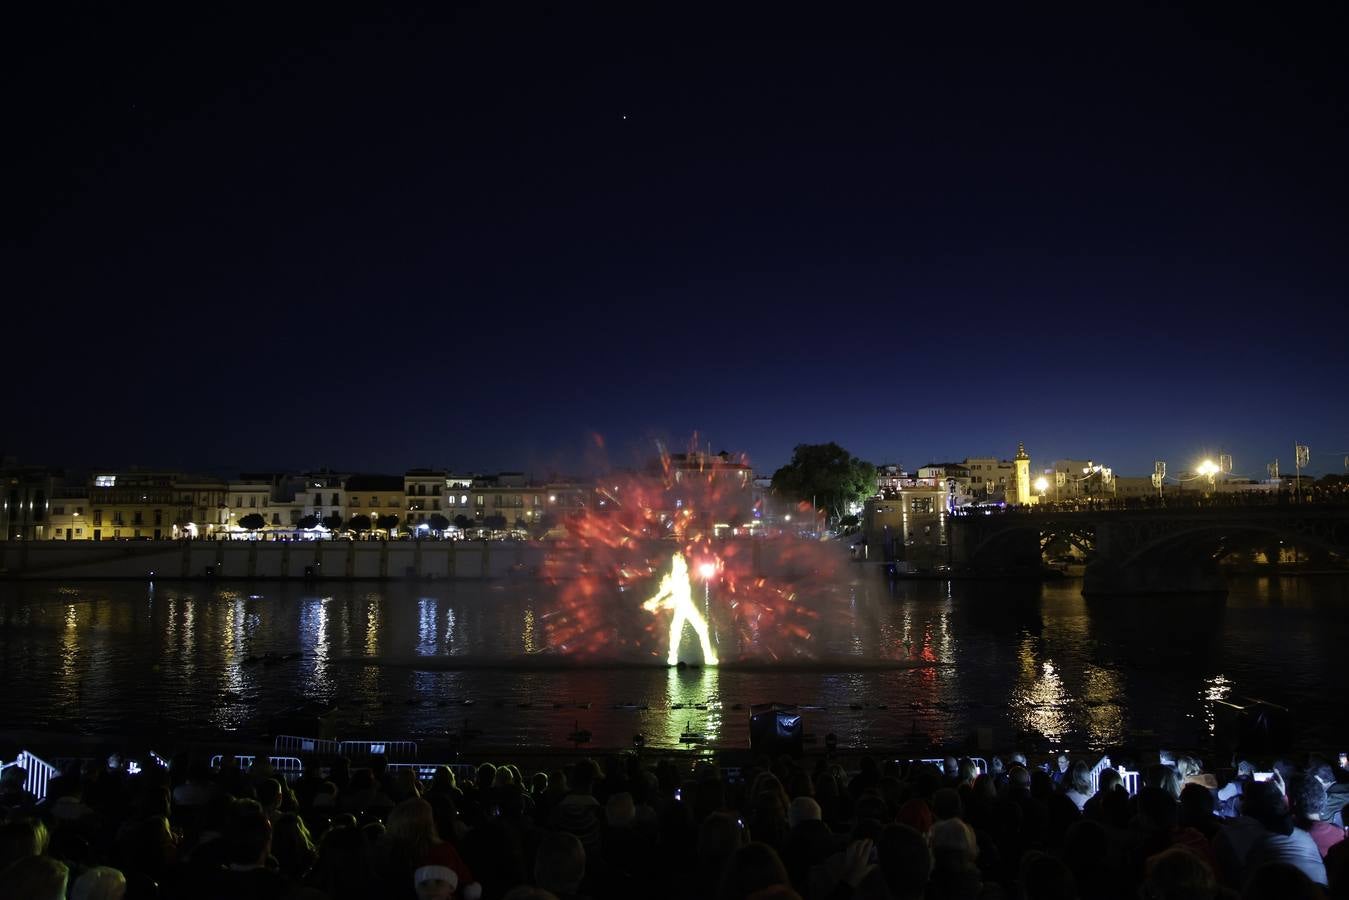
(1045,662)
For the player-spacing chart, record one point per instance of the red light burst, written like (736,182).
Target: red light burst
(764,594)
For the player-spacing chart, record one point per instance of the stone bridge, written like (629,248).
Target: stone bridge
(1132,551)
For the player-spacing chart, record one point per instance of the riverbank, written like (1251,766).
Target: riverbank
(268,560)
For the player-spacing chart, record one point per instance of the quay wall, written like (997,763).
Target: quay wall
(319,560)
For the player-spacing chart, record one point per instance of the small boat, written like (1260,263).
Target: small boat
(689,736)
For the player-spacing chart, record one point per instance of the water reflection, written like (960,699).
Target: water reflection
(689,689)
(1042,662)
(1040,698)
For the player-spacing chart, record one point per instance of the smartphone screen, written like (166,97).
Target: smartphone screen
(1263,776)
(1344,760)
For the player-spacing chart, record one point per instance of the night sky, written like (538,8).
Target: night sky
(477,238)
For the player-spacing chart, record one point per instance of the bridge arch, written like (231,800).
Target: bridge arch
(1080,534)
(1204,532)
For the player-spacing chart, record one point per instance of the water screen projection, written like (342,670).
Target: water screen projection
(682,563)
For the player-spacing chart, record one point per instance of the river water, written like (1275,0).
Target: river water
(1039,665)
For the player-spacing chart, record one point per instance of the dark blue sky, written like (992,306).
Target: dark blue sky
(473,239)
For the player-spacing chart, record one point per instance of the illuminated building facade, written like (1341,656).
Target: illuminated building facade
(908,525)
(132,505)
(25,501)
(377,496)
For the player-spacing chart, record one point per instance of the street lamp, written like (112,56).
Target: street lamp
(1042,485)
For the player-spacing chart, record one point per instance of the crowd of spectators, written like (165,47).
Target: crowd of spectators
(633,828)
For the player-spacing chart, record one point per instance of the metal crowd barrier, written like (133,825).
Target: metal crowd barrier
(296,744)
(378,748)
(288,767)
(979,763)
(36,773)
(289,743)
(427,771)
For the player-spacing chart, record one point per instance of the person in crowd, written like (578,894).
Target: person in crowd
(754,870)
(578,812)
(1077,784)
(1307,799)
(409,842)
(1179,874)
(560,865)
(1059,772)
(34,878)
(1282,841)
(1337,794)
(1280,881)
(1197,810)
(955,851)
(292,847)
(99,883)
(247,843)
(15,798)
(21,837)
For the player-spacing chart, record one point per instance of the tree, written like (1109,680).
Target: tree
(495,522)
(827,476)
(252,522)
(463,521)
(543,524)
(438,522)
(359,524)
(387,523)
(308,522)
(332,522)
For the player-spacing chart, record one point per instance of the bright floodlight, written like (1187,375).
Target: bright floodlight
(1042,484)
(1208,467)
(707,570)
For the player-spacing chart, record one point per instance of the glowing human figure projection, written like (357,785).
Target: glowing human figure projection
(675,593)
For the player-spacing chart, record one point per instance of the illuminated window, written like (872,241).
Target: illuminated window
(105,480)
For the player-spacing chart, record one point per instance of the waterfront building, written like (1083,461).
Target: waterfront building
(203,511)
(991,479)
(378,497)
(908,525)
(25,501)
(68,513)
(424,492)
(132,505)
(322,495)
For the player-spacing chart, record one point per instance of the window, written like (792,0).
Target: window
(58,510)
(79,532)
(105,481)
(435,504)
(136,518)
(355,501)
(239,501)
(920,504)
(276,518)
(374,501)
(335,500)
(318,499)
(98,517)
(253,502)
(159,517)
(435,491)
